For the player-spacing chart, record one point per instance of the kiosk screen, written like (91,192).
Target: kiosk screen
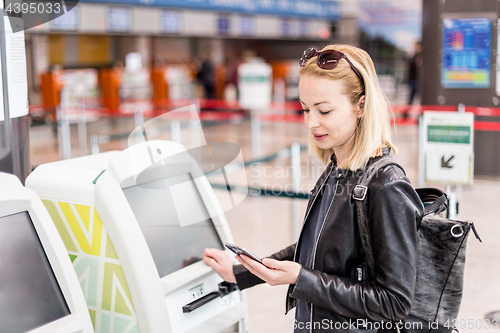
(29,293)
(174,221)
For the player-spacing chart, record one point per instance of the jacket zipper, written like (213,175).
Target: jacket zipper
(307,213)
(316,244)
(474,230)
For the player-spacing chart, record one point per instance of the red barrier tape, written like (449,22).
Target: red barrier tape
(220,104)
(284,106)
(228,110)
(486,126)
(419,109)
(404,122)
(298,118)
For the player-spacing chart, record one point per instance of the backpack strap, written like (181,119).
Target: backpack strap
(438,199)
(359,195)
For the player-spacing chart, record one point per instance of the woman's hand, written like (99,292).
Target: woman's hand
(279,272)
(221,263)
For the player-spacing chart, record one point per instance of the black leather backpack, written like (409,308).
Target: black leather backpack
(441,257)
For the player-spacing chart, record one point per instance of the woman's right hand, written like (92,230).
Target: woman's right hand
(221,263)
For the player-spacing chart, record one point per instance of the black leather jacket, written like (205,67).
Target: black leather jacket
(342,299)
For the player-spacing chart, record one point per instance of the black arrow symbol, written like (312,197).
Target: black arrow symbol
(446,164)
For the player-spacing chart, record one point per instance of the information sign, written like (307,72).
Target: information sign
(304,28)
(68,21)
(448,146)
(17,79)
(223,24)
(247,25)
(497,85)
(171,22)
(119,19)
(466,52)
(2,111)
(254,82)
(286,27)
(315,9)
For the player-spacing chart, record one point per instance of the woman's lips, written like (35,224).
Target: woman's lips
(319,137)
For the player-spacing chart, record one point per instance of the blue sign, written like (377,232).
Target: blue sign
(170,22)
(119,19)
(286,27)
(223,24)
(466,54)
(304,28)
(247,25)
(68,21)
(322,9)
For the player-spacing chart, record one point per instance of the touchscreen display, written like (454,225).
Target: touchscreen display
(466,52)
(174,221)
(29,293)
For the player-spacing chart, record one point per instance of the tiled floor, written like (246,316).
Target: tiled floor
(264,224)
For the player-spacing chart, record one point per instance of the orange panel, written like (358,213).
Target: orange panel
(160,87)
(110,89)
(280,69)
(51,87)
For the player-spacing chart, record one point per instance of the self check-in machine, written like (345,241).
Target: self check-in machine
(39,290)
(137,223)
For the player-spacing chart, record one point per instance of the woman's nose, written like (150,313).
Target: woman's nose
(311,120)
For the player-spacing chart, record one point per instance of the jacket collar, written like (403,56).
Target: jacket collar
(385,151)
(345,172)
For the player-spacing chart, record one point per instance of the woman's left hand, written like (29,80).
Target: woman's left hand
(276,273)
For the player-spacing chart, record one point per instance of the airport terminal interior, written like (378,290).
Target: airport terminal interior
(117,114)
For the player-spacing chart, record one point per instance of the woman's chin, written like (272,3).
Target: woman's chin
(323,145)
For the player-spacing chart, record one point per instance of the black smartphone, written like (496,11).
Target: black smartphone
(241,250)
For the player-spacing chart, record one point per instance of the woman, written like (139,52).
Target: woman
(347,116)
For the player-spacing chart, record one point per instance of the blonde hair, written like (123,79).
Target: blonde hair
(373,130)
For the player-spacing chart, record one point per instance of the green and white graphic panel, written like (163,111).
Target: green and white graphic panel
(448,139)
(97,266)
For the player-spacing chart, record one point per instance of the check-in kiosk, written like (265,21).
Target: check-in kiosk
(137,222)
(39,290)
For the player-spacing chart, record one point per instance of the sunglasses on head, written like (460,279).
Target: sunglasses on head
(327,59)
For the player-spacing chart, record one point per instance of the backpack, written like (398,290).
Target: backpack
(441,257)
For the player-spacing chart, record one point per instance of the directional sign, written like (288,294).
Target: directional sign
(446,164)
(448,139)
(254,82)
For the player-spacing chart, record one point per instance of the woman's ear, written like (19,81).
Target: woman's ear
(361,106)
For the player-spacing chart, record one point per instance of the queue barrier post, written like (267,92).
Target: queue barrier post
(197,139)
(452,212)
(461,108)
(256,133)
(421,152)
(279,97)
(82,131)
(63,132)
(295,162)
(94,143)
(138,116)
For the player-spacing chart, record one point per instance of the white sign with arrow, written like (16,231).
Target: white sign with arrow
(449,147)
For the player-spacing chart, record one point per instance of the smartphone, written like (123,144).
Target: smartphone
(241,250)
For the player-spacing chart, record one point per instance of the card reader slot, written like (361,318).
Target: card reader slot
(224,289)
(201,301)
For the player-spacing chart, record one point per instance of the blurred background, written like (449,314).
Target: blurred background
(105,67)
